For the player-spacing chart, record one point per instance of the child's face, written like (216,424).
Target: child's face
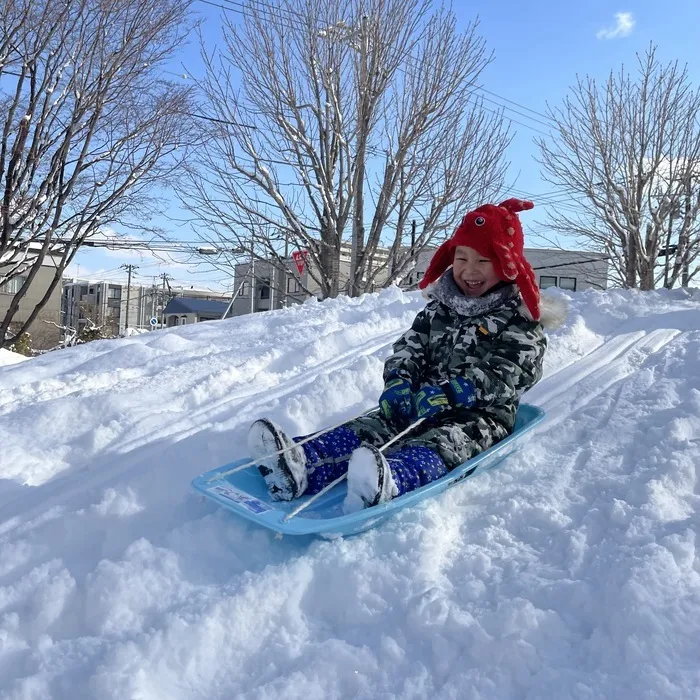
(473,273)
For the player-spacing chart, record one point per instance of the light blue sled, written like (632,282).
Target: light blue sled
(245,494)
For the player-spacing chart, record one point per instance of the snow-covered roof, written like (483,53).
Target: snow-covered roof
(194,305)
(14,255)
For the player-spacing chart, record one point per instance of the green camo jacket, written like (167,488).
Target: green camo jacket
(489,340)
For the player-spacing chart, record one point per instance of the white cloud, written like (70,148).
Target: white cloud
(624,24)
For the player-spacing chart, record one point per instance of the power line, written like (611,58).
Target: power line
(539,121)
(510,119)
(268,14)
(219,121)
(194,247)
(302,22)
(568,202)
(500,97)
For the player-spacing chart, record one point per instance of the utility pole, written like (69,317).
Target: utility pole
(154,293)
(165,277)
(129,269)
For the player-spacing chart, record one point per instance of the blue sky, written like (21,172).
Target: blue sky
(539,49)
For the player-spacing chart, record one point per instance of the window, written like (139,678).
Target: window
(245,289)
(183,320)
(568,283)
(547,282)
(12,286)
(114,293)
(292,285)
(264,289)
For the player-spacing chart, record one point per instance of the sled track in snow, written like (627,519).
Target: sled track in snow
(580,383)
(213,411)
(70,485)
(570,389)
(598,370)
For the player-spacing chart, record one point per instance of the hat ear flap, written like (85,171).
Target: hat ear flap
(439,263)
(529,291)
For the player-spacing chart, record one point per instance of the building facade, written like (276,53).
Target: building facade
(182,311)
(573,270)
(262,285)
(105,304)
(116,307)
(44,331)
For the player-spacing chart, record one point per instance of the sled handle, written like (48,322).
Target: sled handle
(340,479)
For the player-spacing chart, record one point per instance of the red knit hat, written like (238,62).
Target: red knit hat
(494,232)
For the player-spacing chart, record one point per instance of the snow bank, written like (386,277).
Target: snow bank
(572,572)
(10,358)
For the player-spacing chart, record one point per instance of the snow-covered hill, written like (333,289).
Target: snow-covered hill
(571,572)
(10,358)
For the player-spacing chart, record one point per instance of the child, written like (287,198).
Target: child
(463,365)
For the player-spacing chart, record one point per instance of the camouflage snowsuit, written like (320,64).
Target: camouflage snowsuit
(487,340)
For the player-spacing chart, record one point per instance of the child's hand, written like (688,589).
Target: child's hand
(460,392)
(395,401)
(429,401)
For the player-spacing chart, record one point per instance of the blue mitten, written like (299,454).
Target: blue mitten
(429,401)
(460,392)
(395,401)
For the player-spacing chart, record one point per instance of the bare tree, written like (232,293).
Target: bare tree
(628,153)
(343,120)
(89,125)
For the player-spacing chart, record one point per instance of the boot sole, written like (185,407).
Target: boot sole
(380,480)
(272,442)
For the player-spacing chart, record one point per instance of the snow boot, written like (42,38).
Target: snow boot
(370,481)
(284,474)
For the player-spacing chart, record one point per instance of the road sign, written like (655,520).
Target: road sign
(154,322)
(300,259)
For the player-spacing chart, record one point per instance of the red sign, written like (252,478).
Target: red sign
(300,260)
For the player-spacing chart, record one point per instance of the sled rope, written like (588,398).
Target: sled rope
(255,462)
(340,479)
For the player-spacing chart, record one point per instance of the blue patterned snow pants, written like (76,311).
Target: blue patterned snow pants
(327,458)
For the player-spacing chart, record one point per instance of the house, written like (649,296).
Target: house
(185,310)
(45,332)
(105,304)
(262,285)
(573,270)
(114,306)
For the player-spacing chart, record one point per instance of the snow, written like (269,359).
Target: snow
(10,358)
(570,572)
